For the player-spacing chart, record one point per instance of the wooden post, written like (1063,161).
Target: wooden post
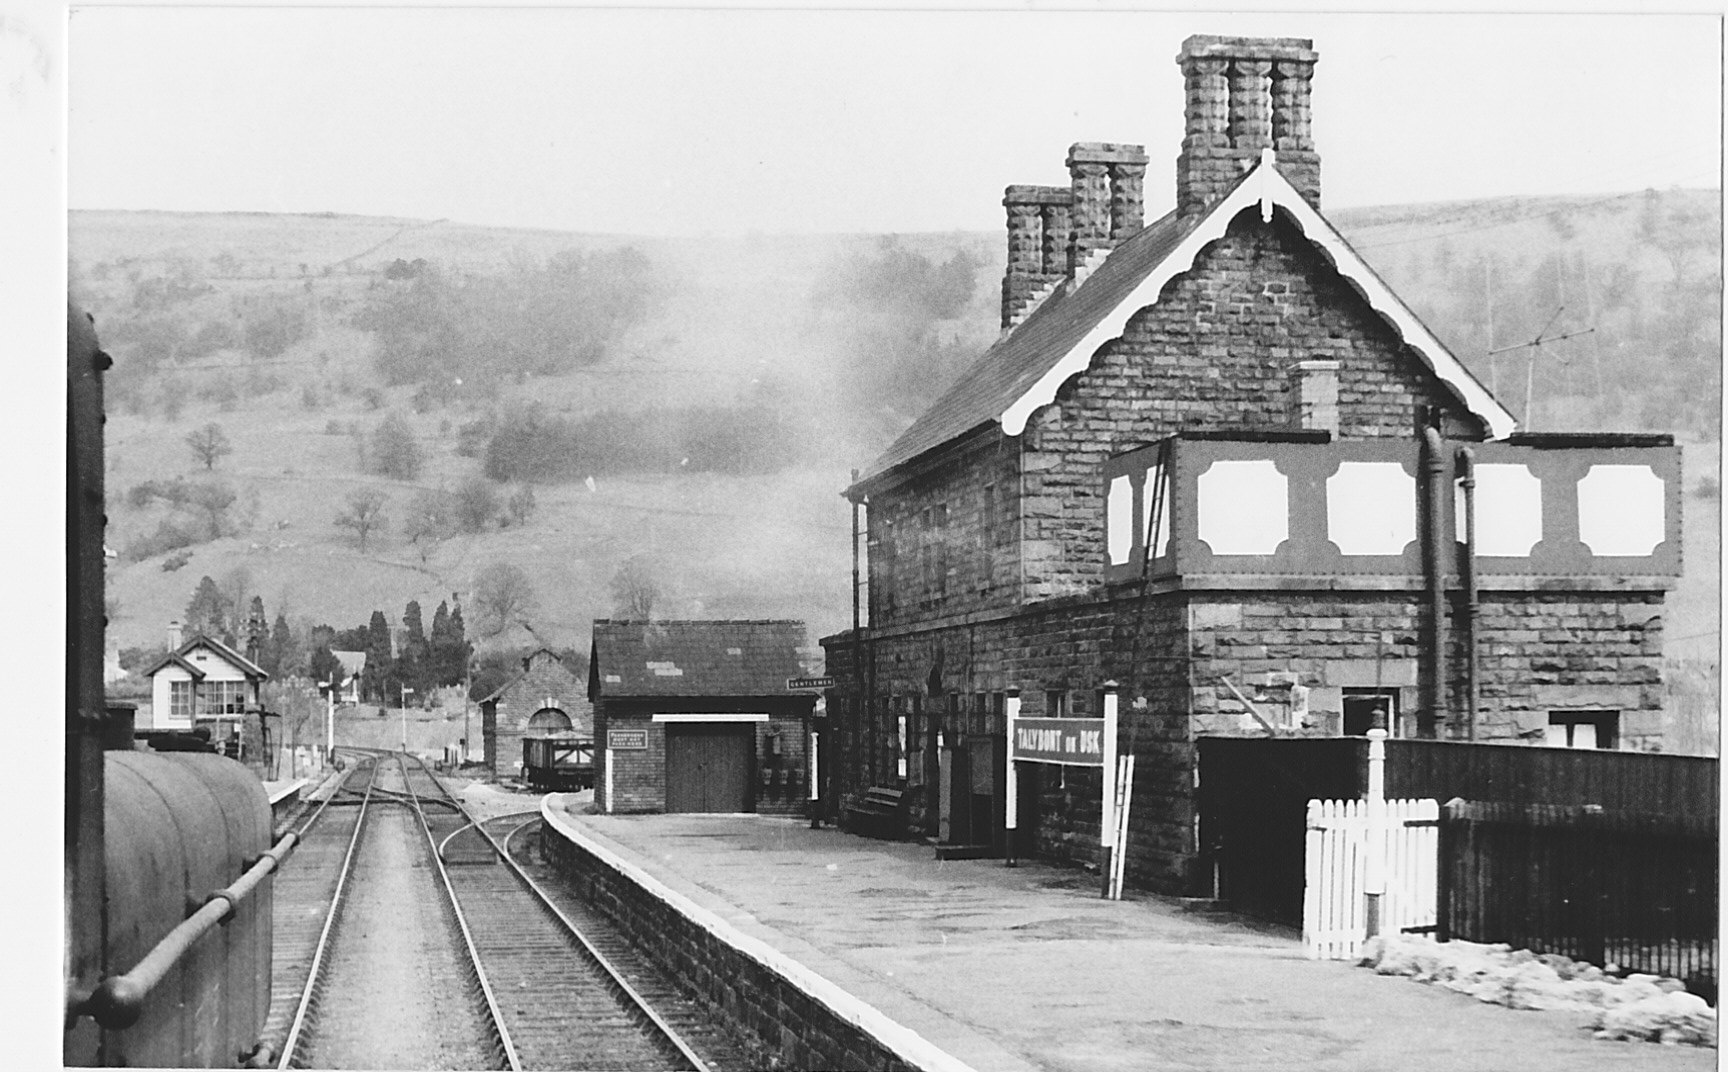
(1374,865)
(1011,780)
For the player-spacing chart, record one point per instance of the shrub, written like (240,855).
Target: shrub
(474,504)
(395,452)
(168,536)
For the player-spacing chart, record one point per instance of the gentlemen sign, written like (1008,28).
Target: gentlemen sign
(627,740)
(1073,742)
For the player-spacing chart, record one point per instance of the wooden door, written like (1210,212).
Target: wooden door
(708,767)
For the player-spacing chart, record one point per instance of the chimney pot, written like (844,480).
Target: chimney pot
(1245,94)
(1038,238)
(1108,183)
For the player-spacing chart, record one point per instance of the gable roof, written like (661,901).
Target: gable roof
(353,662)
(174,658)
(1025,368)
(694,658)
(203,640)
(527,665)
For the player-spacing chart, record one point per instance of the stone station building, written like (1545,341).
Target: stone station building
(1341,518)
(543,698)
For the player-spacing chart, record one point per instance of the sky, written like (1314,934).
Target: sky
(728,121)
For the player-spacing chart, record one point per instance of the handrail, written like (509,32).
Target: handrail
(118,1000)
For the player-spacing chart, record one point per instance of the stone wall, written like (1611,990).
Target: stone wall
(543,682)
(793,1027)
(945,543)
(1218,351)
(1537,653)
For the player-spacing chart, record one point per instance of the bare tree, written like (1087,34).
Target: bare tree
(365,514)
(431,520)
(503,596)
(634,589)
(209,444)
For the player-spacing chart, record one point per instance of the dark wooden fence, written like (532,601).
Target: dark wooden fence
(1637,891)
(1254,792)
(1523,774)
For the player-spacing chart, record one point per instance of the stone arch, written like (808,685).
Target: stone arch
(547,720)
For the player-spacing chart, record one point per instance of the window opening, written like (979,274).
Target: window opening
(1360,704)
(1584,729)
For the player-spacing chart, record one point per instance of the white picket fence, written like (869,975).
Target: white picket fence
(1334,917)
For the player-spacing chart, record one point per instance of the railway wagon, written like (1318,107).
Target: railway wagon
(558,763)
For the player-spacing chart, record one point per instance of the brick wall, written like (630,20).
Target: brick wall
(779,783)
(638,776)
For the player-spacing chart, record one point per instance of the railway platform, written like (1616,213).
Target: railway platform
(1011,969)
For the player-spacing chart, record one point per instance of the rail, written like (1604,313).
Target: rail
(497,1015)
(312,976)
(595,955)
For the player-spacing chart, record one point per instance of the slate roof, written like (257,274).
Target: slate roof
(694,658)
(178,656)
(1026,366)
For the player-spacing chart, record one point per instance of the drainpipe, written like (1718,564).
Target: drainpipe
(1434,472)
(1472,605)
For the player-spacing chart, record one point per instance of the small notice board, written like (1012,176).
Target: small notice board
(627,740)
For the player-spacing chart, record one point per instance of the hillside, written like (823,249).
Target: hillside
(252,322)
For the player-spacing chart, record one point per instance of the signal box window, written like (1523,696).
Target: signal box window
(1584,729)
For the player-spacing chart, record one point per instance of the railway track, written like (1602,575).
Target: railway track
(391,984)
(437,949)
(719,1048)
(303,891)
(564,1004)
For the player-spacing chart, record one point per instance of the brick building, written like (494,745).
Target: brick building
(543,697)
(1341,518)
(697,716)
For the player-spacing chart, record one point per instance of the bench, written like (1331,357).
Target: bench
(880,813)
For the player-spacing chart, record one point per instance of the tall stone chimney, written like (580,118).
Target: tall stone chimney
(174,636)
(1245,94)
(1108,183)
(1052,229)
(1039,233)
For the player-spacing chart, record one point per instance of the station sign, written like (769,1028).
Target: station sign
(627,740)
(809,682)
(1071,742)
